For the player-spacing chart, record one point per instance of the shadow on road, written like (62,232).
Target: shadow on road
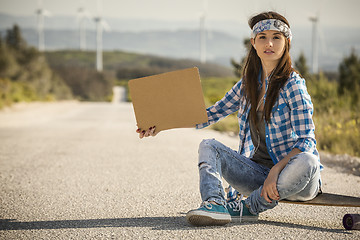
(299,226)
(152,222)
(156,223)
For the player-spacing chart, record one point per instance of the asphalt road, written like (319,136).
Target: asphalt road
(79,171)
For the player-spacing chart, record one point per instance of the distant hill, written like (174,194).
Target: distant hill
(124,65)
(221,47)
(77,68)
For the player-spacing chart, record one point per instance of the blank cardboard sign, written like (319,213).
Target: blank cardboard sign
(168,100)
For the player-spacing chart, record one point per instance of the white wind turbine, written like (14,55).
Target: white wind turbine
(203,16)
(82,16)
(41,13)
(100,24)
(314,54)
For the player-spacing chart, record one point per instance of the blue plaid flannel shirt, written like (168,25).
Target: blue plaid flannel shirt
(291,125)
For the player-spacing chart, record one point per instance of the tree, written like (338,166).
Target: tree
(349,79)
(3,57)
(25,74)
(85,83)
(8,63)
(14,39)
(349,70)
(301,66)
(238,66)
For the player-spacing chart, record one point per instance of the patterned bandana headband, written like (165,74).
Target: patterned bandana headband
(271,24)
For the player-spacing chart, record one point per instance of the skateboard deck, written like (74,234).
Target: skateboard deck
(350,221)
(330,199)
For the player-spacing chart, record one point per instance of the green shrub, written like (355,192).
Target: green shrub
(5,96)
(12,92)
(25,74)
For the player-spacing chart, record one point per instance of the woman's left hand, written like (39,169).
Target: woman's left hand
(269,190)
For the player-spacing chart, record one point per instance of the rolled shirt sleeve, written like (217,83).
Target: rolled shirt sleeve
(224,107)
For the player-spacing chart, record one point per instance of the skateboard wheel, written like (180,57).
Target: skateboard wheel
(351,221)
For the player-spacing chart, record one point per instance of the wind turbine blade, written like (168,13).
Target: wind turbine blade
(87,14)
(79,16)
(83,14)
(321,35)
(209,31)
(80,11)
(105,25)
(99,7)
(39,3)
(47,13)
(205,6)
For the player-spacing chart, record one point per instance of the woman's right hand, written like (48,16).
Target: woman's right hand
(147,133)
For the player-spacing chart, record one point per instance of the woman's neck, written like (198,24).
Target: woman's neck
(268,68)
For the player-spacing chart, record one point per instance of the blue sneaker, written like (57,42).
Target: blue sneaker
(208,214)
(240,212)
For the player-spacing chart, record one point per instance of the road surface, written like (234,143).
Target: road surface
(79,171)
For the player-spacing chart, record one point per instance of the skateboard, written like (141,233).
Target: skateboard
(350,221)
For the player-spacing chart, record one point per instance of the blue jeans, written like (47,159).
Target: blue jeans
(298,181)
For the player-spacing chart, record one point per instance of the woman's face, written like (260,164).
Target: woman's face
(269,45)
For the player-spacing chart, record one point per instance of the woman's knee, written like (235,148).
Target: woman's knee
(303,166)
(206,150)
(205,143)
(299,180)
(308,161)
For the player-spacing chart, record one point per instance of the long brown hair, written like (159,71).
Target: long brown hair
(252,68)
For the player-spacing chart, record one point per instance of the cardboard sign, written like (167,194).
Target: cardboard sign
(168,100)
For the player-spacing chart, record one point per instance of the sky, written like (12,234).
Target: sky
(331,12)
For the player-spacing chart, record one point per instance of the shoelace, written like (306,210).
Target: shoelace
(237,205)
(206,204)
(241,206)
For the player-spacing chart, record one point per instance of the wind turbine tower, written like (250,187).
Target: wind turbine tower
(314,56)
(41,13)
(83,16)
(203,16)
(100,24)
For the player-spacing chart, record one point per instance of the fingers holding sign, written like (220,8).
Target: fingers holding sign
(147,133)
